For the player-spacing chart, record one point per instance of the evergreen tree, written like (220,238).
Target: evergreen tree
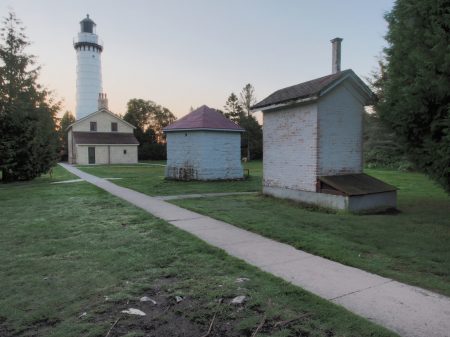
(416,101)
(28,137)
(381,148)
(239,112)
(233,108)
(252,139)
(66,120)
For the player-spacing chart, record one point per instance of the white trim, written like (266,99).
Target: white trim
(351,74)
(356,81)
(96,112)
(281,105)
(107,144)
(203,129)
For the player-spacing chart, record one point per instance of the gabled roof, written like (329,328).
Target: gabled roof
(311,90)
(104,138)
(97,112)
(357,184)
(204,118)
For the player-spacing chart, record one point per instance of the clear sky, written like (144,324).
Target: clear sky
(183,53)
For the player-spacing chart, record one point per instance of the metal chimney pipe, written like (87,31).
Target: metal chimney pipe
(336,59)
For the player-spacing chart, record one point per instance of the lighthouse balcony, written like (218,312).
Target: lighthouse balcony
(87,39)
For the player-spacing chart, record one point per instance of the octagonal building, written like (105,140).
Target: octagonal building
(204,145)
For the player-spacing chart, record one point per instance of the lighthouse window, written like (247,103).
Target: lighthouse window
(124,151)
(93,126)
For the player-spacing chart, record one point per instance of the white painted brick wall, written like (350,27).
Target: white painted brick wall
(103,120)
(114,155)
(290,147)
(208,155)
(340,132)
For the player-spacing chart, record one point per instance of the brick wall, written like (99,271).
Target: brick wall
(290,147)
(340,131)
(204,155)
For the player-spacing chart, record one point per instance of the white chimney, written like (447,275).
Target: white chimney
(102,101)
(336,62)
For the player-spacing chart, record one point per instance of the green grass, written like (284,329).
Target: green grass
(150,179)
(412,246)
(70,249)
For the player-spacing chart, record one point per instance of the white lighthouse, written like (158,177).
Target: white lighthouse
(89,68)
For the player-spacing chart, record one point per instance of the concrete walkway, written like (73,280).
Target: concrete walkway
(407,310)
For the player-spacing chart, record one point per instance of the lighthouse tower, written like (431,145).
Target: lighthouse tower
(89,68)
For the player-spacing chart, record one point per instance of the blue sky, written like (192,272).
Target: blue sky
(182,53)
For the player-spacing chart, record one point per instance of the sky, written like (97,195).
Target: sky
(186,53)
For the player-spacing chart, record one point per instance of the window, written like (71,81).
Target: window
(93,126)
(113,126)
(124,151)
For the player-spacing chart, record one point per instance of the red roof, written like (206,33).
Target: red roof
(204,118)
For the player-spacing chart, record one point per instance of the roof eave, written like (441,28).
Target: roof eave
(96,112)
(202,129)
(284,104)
(357,81)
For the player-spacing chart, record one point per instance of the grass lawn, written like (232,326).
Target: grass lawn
(149,179)
(73,257)
(412,246)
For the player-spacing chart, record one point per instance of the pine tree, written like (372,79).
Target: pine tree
(239,112)
(28,137)
(416,101)
(233,108)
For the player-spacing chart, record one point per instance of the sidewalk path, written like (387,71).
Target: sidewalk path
(407,310)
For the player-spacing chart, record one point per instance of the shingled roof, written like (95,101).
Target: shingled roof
(310,89)
(104,138)
(204,118)
(357,184)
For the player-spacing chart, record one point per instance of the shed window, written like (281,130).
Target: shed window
(93,126)
(113,126)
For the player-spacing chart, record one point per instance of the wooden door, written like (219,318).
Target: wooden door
(91,155)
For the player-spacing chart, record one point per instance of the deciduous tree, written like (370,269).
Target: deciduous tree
(149,119)
(247,98)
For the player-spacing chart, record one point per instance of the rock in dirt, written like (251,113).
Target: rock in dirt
(147,299)
(239,299)
(132,311)
(178,299)
(242,279)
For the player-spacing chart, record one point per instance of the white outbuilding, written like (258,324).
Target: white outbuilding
(204,145)
(312,143)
